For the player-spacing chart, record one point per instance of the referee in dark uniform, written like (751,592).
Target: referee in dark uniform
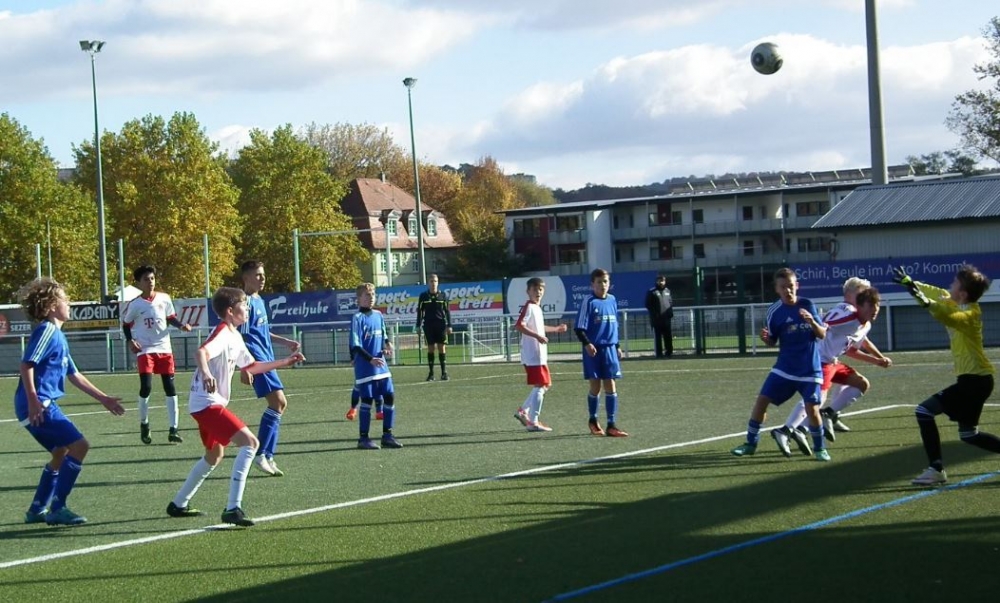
(435,318)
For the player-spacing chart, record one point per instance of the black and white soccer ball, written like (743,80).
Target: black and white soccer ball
(766,58)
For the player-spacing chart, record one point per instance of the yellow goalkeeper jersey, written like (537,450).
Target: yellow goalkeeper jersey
(965,330)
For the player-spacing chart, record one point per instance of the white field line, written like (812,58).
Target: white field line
(391,496)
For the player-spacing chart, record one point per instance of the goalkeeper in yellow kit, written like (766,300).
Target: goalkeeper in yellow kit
(958,310)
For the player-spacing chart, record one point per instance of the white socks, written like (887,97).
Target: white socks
(144,410)
(199,473)
(172,411)
(241,466)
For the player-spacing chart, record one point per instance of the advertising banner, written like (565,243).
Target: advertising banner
(467,302)
(564,294)
(92,316)
(826,279)
(14,322)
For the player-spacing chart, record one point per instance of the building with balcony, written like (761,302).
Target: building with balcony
(735,231)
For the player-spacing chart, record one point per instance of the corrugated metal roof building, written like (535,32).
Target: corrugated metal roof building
(939,217)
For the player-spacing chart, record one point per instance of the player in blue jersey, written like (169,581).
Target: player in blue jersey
(370,347)
(45,364)
(257,335)
(794,325)
(597,329)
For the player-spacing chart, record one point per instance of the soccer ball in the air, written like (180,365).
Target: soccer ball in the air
(765,58)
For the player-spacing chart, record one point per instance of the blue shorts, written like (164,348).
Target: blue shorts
(266,383)
(376,388)
(56,431)
(779,389)
(604,365)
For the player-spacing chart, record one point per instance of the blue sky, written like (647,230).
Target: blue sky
(572,91)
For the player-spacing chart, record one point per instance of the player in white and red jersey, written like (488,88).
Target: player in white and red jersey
(535,355)
(848,324)
(218,358)
(145,323)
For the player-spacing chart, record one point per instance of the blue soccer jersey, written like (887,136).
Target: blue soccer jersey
(48,351)
(256,331)
(598,318)
(798,348)
(368,333)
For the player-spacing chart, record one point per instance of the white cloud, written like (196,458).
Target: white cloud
(702,107)
(205,46)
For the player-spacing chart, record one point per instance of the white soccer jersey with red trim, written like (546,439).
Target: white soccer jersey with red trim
(147,317)
(843,331)
(533,352)
(226,351)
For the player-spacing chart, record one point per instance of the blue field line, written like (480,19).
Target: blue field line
(766,539)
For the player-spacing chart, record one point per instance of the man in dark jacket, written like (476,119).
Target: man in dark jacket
(661,310)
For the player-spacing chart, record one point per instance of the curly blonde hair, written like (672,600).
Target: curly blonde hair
(40,297)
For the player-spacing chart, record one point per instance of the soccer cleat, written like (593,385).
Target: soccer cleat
(801,440)
(174,437)
(236,517)
(351,414)
(379,416)
(930,477)
(538,426)
(822,455)
(367,444)
(260,461)
(274,466)
(745,449)
(614,432)
(144,433)
(430,376)
(595,428)
(444,376)
(64,517)
(522,417)
(388,441)
(175,511)
(780,436)
(39,517)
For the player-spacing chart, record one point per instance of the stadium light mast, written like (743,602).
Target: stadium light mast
(92,47)
(410,82)
(880,174)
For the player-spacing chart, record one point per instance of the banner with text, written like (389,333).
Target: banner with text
(826,279)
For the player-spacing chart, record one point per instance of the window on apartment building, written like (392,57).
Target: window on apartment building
(747,212)
(528,228)
(807,244)
(698,216)
(432,226)
(614,222)
(411,226)
(653,220)
(390,227)
(762,213)
(748,247)
(677,253)
(571,256)
(699,250)
(571,222)
(625,253)
(415,262)
(811,208)
(676,217)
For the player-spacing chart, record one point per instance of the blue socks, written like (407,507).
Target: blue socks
(753,432)
(365,419)
(68,473)
(270,424)
(46,486)
(592,402)
(611,406)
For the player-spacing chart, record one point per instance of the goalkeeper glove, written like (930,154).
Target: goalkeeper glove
(899,276)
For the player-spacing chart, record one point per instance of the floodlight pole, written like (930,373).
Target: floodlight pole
(92,47)
(880,174)
(410,83)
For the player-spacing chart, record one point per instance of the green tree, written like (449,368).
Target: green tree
(355,151)
(942,162)
(30,196)
(975,114)
(530,193)
(439,188)
(284,185)
(165,187)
